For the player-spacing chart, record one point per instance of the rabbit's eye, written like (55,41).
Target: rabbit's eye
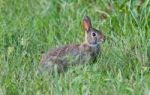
(93,34)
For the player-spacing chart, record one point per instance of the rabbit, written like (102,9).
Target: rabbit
(65,56)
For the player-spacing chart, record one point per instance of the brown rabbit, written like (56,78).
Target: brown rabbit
(65,56)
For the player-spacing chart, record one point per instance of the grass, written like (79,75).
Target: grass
(29,27)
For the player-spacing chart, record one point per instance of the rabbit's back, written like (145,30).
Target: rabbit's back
(59,53)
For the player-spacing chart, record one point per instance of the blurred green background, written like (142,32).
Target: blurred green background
(30,27)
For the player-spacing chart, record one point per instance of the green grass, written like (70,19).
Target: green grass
(29,27)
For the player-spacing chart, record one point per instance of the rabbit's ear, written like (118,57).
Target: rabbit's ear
(86,23)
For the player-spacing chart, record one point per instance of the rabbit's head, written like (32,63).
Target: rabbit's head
(93,37)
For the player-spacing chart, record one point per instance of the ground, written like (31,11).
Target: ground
(30,27)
